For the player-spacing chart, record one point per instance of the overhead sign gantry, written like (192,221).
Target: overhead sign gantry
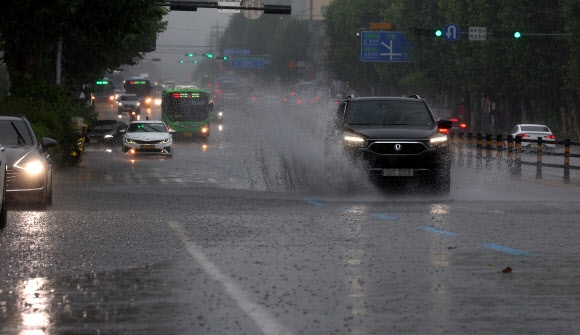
(252,9)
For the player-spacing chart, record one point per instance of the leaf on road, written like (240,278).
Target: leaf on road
(507,270)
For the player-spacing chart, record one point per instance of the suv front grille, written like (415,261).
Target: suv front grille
(389,148)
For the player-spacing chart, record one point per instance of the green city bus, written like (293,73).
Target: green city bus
(186,110)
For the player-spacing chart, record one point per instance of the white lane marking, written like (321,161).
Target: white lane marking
(261,316)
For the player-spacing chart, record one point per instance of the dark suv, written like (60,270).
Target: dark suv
(396,138)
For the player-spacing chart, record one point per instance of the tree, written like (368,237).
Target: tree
(97,35)
(289,45)
(343,20)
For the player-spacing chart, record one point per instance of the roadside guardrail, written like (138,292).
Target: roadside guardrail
(467,150)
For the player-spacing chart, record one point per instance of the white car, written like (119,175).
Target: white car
(532,132)
(3,167)
(148,137)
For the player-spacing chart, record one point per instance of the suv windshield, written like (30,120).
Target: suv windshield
(388,112)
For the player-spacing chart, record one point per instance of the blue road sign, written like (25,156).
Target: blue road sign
(384,46)
(247,62)
(451,32)
(236,52)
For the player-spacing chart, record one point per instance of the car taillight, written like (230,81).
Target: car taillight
(522,135)
(454,119)
(254,98)
(443,131)
(550,137)
(462,125)
(299,101)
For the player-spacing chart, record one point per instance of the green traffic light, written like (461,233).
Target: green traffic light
(181,60)
(225,57)
(209,55)
(517,34)
(195,61)
(189,55)
(438,33)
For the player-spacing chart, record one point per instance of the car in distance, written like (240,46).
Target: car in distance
(530,131)
(394,138)
(3,209)
(129,103)
(457,125)
(29,166)
(148,137)
(105,131)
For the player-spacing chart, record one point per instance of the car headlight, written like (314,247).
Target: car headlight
(138,104)
(32,167)
(167,140)
(353,140)
(108,136)
(438,140)
(158,102)
(128,140)
(120,104)
(148,100)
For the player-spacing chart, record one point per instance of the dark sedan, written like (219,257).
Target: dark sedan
(29,166)
(106,131)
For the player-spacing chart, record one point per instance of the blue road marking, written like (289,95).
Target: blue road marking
(507,250)
(437,231)
(386,217)
(315,203)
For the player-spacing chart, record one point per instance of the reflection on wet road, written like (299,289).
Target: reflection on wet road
(247,234)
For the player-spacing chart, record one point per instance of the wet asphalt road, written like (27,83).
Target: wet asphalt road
(246,234)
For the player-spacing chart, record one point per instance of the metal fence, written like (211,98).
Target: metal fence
(469,151)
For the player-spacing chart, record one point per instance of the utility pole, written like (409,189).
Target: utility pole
(217,37)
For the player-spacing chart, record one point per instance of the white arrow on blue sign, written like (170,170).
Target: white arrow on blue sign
(451,32)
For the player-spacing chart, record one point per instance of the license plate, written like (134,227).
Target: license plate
(188,134)
(397,172)
(147,146)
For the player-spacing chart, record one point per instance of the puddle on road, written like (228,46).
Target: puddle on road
(127,301)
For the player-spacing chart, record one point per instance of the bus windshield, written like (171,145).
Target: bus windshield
(138,86)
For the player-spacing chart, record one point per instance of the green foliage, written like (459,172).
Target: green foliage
(285,39)
(289,44)
(97,35)
(531,70)
(343,20)
(49,110)
(4,81)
